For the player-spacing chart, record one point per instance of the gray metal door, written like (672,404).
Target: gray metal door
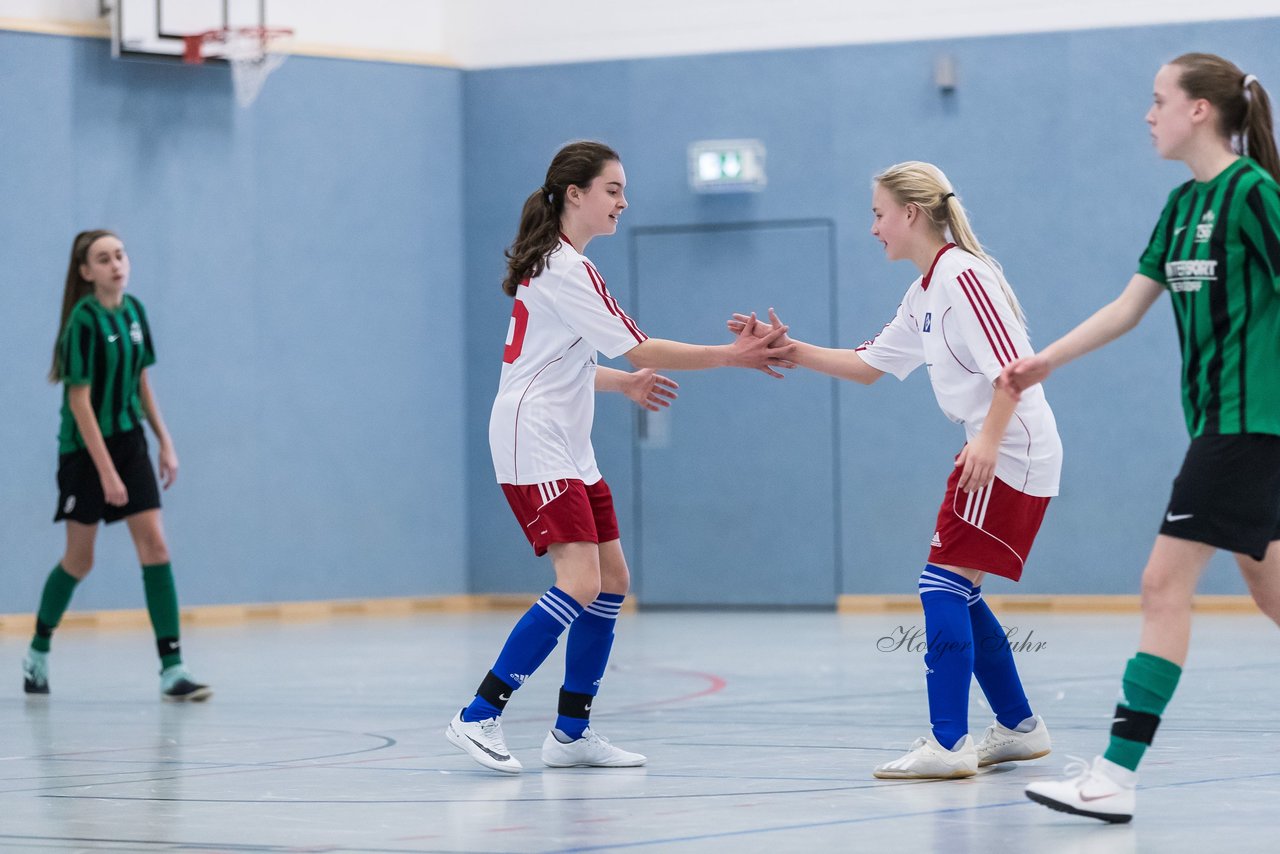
(736,483)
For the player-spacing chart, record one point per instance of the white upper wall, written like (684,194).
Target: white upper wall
(491,33)
(512,33)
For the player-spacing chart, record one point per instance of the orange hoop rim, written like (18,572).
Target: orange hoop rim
(193,43)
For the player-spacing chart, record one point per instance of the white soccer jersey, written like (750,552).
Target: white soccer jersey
(956,321)
(540,426)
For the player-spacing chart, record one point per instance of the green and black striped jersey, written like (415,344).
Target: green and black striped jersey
(1216,249)
(105,349)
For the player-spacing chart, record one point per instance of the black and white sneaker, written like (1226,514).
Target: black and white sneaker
(35,672)
(483,741)
(1103,790)
(177,686)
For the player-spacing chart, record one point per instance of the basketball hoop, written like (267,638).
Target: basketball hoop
(252,52)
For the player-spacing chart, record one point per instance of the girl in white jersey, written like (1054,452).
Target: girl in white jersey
(961,320)
(540,436)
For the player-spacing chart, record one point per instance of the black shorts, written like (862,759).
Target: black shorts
(1228,494)
(80,496)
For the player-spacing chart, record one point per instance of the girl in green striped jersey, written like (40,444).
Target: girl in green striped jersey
(101,356)
(1216,250)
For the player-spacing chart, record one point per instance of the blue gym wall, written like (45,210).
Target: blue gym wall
(301,263)
(323,282)
(1045,141)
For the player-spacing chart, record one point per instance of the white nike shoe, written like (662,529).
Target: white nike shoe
(1104,791)
(1001,744)
(483,742)
(928,760)
(591,751)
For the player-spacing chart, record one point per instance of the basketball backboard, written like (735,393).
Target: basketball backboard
(154,28)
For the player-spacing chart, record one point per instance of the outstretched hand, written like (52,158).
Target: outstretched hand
(738,322)
(650,390)
(1020,374)
(763,347)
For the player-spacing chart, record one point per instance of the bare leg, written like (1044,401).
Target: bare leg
(147,530)
(577,568)
(78,559)
(1263,578)
(614,575)
(1168,584)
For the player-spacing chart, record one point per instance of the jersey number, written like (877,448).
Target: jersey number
(515,332)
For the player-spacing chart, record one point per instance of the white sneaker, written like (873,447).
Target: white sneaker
(483,742)
(928,760)
(1103,791)
(1001,744)
(592,751)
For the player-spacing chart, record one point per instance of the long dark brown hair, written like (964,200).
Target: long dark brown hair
(577,164)
(75,290)
(1244,110)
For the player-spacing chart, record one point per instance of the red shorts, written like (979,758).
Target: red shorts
(563,511)
(990,530)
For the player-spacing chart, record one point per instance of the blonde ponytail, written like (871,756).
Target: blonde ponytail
(924,185)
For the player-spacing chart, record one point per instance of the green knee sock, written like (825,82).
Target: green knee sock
(53,604)
(162,605)
(1149,682)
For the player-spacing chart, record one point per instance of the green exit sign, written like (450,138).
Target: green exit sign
(726,166)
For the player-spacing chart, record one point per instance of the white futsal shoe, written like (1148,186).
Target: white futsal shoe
(928,760)
(1001,744)
(483,742)
(1104,791)
(591,751)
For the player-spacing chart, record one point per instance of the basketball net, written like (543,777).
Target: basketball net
(252,52)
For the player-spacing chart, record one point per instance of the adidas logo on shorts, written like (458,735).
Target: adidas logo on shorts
(936,542)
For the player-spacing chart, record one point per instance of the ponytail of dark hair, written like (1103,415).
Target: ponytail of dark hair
(76,289)
(1244,110)
(576,164)
(1258,134)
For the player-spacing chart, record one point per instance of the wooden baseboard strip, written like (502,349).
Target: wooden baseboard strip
(298,612)
(1063,604)
(213,615)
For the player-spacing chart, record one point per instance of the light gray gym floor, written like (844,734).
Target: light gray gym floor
(761,731)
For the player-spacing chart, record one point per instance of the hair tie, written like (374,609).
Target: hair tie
(1248,78)
(948,196)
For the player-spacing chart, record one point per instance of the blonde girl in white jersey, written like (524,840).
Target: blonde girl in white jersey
(961,320)
(540,437)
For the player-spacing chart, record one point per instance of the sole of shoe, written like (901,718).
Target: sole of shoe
(1059,806)
(477,755)
(957,774)
(194,697)
(627,764)
(983,763)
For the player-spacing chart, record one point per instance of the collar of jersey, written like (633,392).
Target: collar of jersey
(924,283)
(567,240)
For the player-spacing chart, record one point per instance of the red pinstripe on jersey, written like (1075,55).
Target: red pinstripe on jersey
(612,304)
(865,344)
(988,317)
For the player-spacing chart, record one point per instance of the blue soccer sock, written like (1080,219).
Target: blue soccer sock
(585,659)
(949,659)
(993,665)
(528,645)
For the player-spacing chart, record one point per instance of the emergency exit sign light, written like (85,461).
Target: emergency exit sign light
(726,166)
